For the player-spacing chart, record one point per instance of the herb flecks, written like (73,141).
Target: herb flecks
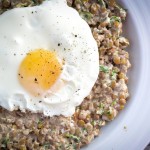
(115,18)
(86,15)
(5,141)
(104,69)
(71,136)
(102,3)
(113,74)
(46,146)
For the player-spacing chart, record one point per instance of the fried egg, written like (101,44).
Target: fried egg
(49,59)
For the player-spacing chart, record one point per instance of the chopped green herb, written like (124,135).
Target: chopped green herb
(101,110)
(93,122)
(104,69)
(5,141)
(115,18)
(113,74)
(73,137)
(102,3)
(108,112)
(114,103)
(84,129)
(86,15)
(34,1)
(74,147)
(101,105)
(40,123)
(70,146)
(46,146)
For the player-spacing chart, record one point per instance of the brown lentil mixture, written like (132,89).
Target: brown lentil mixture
(28,131)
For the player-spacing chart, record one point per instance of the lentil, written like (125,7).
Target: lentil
(19,130)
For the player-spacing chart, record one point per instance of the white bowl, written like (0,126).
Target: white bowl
(136,115)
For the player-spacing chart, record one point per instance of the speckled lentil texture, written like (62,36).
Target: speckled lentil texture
(27,131)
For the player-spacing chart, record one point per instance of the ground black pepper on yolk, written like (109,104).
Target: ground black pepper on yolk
(39,70)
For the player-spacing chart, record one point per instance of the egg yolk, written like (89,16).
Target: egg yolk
(39,70)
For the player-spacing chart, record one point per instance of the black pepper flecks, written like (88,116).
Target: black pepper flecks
(35,80)
(20,75)
(28,54)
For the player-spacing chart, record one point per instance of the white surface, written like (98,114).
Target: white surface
(136,114)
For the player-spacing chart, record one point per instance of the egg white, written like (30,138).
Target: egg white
(56,27)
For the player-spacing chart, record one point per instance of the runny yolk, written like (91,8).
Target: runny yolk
(39,70)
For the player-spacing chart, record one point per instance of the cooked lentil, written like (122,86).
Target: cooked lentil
(28,131)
